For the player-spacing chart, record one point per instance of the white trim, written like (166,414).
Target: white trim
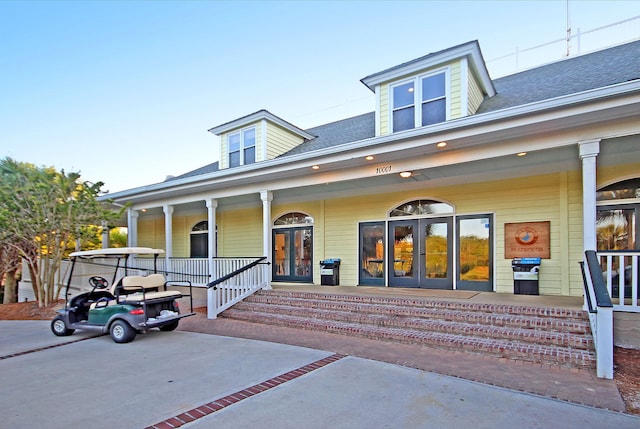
(469,50)
(263,137)
(417,81)
(256,117)
(377,117)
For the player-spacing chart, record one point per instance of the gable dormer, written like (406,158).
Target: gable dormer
(256,137)
(438,87)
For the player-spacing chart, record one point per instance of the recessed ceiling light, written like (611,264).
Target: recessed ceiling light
(442,144)
(521,154)
(405,174)
(369,158)
(316,167)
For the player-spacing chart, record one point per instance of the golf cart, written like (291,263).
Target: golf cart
(134,302)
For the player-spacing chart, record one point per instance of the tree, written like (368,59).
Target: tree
(42,213)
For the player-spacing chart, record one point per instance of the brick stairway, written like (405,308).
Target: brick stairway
(554,336)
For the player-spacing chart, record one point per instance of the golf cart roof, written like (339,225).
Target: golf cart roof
(116,252)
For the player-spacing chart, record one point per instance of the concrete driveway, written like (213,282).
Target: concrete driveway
(165,378)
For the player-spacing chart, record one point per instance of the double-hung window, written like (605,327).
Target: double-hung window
(242,147)
(419,102)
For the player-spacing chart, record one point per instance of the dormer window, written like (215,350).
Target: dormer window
(242,147)
(419,102)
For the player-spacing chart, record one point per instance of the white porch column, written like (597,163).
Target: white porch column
(105,235)
(212,204)
(266,197)
(132,228)
(212,297)
(168,234)
(589,150)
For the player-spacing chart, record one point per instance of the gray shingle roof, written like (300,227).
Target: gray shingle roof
(335,133)
(596,70)
(573,75)
(209,168)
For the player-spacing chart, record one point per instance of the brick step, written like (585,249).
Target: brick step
(555,324)
(510,349)
(563,313)
(451,325)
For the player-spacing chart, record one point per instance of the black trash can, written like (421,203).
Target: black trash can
(330,272)
(525,276)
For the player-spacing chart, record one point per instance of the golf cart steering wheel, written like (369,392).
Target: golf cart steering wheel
(98,282)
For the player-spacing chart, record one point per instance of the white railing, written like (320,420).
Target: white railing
(620,273)
(576,43)
(240,277)
(600,309)
(194,270)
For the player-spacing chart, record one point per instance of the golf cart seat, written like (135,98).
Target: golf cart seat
(143,288)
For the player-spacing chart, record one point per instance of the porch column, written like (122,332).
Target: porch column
(266,197)
(589,150)
(168,234)
(212,297)
(212,204)
(132,228)
(105,235)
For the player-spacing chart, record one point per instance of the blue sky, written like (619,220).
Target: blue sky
(125,91)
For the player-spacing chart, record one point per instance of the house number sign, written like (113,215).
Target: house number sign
(383,169)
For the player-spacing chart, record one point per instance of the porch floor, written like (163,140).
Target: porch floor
(572,302)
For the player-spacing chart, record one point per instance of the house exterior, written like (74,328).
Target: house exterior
(448,179)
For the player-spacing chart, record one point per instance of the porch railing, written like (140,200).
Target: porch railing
(194,270)
(236,279)
(620,274)
(600,307)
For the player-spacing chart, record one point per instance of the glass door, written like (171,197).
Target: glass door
(475,253)
(372,244)
(292,254)
(420,255)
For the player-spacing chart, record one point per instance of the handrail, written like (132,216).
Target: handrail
(600,316)
(232,274)
(597,280)
(587,293)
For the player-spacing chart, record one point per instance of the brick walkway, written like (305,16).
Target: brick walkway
(573,385)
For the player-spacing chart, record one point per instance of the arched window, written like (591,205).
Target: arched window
(293,218)
(421,208)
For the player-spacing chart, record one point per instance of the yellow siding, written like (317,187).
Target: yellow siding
(280,140)
(456,110)
(384,112)
(240,232)
(151,232)
(475,94)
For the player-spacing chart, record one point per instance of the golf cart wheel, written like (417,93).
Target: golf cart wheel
(170,326)
(59,328)
(122,332)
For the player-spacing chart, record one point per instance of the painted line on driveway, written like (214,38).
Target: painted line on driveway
(53,346)
(221,403)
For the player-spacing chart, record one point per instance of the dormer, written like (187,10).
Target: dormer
(256,137)
(438,87)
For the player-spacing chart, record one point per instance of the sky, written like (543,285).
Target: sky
(125,91)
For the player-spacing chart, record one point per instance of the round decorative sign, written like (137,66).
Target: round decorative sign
(526,236)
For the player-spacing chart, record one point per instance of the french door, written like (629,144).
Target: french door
(292,254)
(420,253)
